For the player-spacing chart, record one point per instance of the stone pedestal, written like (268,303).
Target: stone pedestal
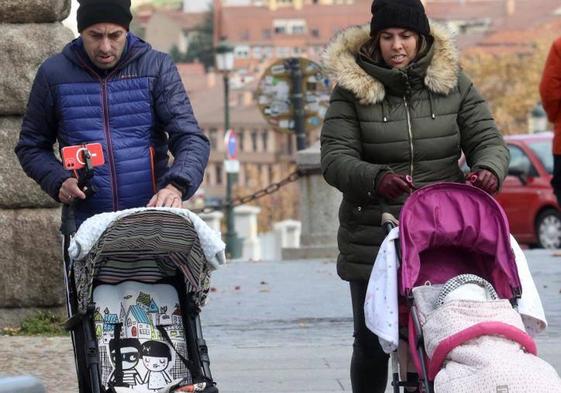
(213,220)
(287,233)
(319,207)
(245,222)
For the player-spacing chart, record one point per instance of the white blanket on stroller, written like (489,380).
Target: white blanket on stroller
(91,230)
(381,303)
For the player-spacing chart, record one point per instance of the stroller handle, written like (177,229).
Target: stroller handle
(389,222)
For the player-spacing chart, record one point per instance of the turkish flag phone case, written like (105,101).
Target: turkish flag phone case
(73,157)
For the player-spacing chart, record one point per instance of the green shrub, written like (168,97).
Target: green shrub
(43,323)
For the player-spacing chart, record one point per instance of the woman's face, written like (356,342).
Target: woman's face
(398,46)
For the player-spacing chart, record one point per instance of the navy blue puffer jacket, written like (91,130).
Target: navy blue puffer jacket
(136,111)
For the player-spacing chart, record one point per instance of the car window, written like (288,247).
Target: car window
(543,151)
(520,160)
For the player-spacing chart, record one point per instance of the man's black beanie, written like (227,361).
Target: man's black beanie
(91,12)
(407,14)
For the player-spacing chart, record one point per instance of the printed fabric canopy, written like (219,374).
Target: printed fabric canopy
(164,243)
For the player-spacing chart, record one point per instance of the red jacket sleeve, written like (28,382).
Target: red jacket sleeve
(550,86)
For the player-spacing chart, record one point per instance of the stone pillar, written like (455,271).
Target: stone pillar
(31,261)
(245,220)
(319,207)
(287,233)
(213,220)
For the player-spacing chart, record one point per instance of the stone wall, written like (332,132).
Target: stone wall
(31,265)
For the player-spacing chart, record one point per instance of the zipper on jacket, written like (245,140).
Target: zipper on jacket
(105,104)
(410,130)
(105,107)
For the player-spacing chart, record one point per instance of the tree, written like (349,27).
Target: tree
(176,55)
(509,82)
(200,47)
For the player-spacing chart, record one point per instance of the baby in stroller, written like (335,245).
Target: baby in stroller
(451,265)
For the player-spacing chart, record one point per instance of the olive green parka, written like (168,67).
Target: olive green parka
(415,121)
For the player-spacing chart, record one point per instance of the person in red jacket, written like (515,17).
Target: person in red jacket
(550,91)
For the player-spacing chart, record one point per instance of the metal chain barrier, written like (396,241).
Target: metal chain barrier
(270,189)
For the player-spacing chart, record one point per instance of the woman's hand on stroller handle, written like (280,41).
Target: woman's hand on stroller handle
(392,185)
(484,180)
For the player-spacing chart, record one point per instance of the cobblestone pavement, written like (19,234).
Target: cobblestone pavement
(275,327)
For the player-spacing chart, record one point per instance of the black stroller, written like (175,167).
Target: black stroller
(134,303)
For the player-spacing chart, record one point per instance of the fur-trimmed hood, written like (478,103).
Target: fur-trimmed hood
(339,60)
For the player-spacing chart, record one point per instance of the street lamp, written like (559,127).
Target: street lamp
(537,119)
(224,60)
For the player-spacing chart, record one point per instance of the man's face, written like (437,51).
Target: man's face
(104,43)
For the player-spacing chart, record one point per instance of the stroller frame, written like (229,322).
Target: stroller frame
(84,341)
(389,222)
(508,284)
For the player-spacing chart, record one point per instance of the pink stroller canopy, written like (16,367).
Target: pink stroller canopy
(448,229)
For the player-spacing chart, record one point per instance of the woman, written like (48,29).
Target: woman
(400,115)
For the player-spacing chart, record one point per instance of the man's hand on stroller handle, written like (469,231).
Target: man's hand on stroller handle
(169,196)
(393,185)
(69,191)
(484,179)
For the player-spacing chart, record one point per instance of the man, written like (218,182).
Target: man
(109,87)
(550,91)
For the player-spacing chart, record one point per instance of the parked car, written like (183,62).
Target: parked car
(527,196)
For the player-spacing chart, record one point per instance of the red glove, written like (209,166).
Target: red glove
(392,185)
(485,180)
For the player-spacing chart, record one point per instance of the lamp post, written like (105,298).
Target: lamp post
(537,119)
(224,60)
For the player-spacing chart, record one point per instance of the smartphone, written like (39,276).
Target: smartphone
(73,156)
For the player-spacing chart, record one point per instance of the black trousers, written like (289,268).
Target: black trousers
(556,179)
(369,363)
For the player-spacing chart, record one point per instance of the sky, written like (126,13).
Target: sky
(192,5)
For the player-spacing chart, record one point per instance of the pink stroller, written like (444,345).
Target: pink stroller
(452,231)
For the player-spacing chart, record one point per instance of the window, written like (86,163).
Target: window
(240,139)
(241,52)
(268,51)
(298,29)
(520,160)
(283,51)
(266,34)
(265,139)
(218,169)
(543,151)
(254,140)
(289,26)
(315,32)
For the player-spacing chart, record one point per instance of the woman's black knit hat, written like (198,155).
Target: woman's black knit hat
(407,14)
(91,12)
